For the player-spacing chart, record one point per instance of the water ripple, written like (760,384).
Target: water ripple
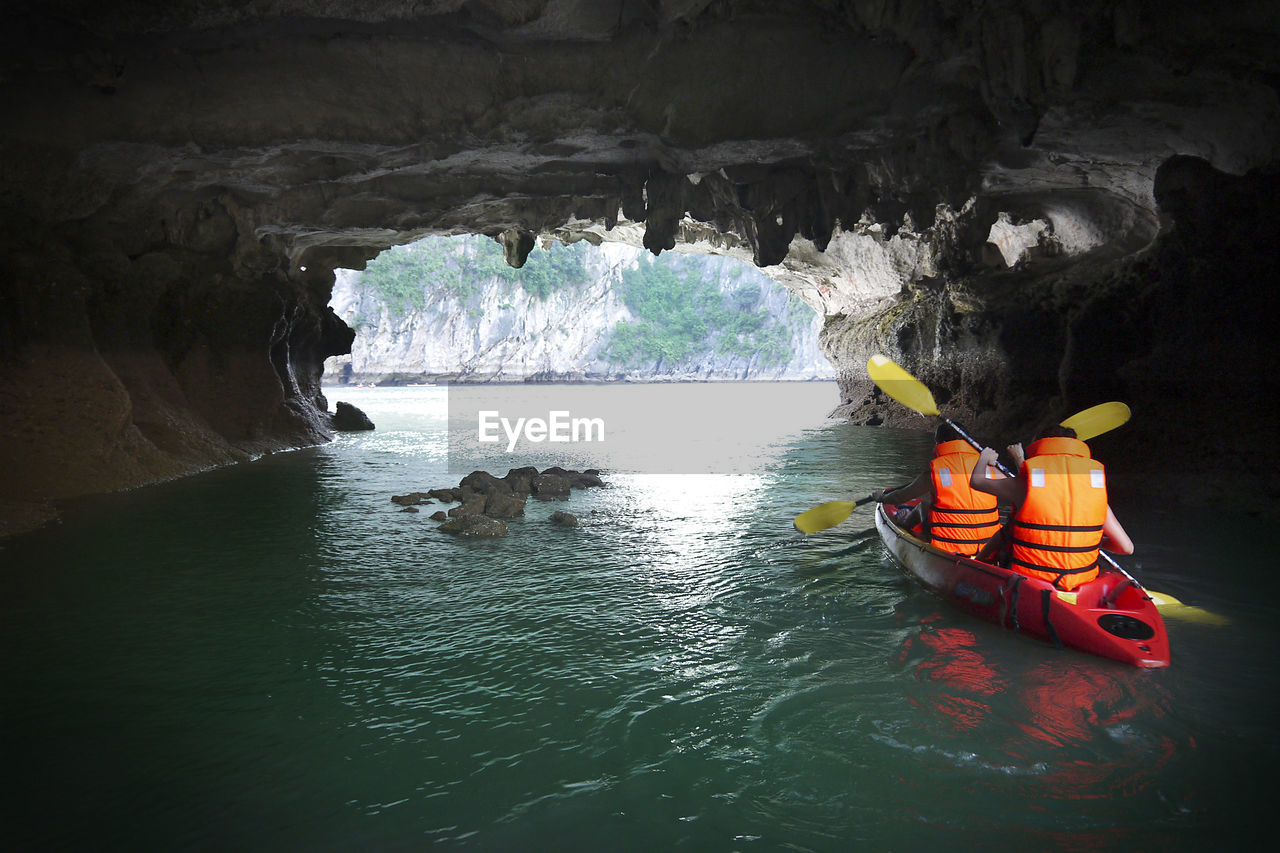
(281,658)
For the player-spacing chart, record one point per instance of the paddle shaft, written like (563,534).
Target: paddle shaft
(1003,470)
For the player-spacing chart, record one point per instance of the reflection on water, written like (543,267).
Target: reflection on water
(275,656)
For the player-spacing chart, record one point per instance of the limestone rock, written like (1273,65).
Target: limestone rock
(411,499)
(501,331)
(504,506)
(474,526)
(475,506)
(482,482)
(347,418)
(550,487)
(586,480)
(521,479)
(564,519)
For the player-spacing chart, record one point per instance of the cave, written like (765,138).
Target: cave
(1033,207)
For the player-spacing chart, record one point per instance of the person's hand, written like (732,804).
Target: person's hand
(987,456)
(1017,454)
(878,495)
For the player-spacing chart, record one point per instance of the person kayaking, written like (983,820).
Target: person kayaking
(1060,512)
(960,520)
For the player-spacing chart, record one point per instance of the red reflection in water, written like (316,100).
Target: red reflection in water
(952,660)
(1060,726)
(1073,706)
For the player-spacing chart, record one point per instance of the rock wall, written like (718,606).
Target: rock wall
(179,180)
(503,333)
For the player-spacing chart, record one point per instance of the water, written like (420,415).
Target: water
(273,656)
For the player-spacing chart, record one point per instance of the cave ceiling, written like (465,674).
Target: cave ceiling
(323,131)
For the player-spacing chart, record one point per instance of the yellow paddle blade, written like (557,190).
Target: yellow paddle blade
(901,386)
(1172,608)
(1103,417)
(826,515)
(1163,599)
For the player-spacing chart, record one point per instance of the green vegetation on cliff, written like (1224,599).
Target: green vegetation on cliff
(403,276)
(683,309)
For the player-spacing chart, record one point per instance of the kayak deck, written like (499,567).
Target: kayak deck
(1110,616)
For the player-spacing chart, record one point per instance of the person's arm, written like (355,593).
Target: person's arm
(1017,454)
(1005,489)
(918,487)
(1114,538)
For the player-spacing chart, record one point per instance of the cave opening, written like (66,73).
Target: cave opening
(451,309)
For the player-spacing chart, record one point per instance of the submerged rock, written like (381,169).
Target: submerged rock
(474,525)
(485,496)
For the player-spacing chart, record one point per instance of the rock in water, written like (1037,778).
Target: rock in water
(586,480)
(564,519)
(484,483)
(521,479)
(474,506)
(347,418)
(474,525)
(504,506)
(551,487)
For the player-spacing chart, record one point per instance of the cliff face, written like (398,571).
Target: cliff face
(180,180)
(503,332)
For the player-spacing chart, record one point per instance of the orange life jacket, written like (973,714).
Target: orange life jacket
(961,519)
(1057,530)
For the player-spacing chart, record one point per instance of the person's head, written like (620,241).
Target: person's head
(1056,431)
(944,433)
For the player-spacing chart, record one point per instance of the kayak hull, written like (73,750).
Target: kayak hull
(1110,617)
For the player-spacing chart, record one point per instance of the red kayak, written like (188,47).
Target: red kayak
(1111,616)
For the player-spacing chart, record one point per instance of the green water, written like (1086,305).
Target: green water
(273,656)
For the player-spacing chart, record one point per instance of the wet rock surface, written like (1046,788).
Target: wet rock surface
(1034,207)
(411,499)
(348,418)
(474,525)
(564,519)
(483,497)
